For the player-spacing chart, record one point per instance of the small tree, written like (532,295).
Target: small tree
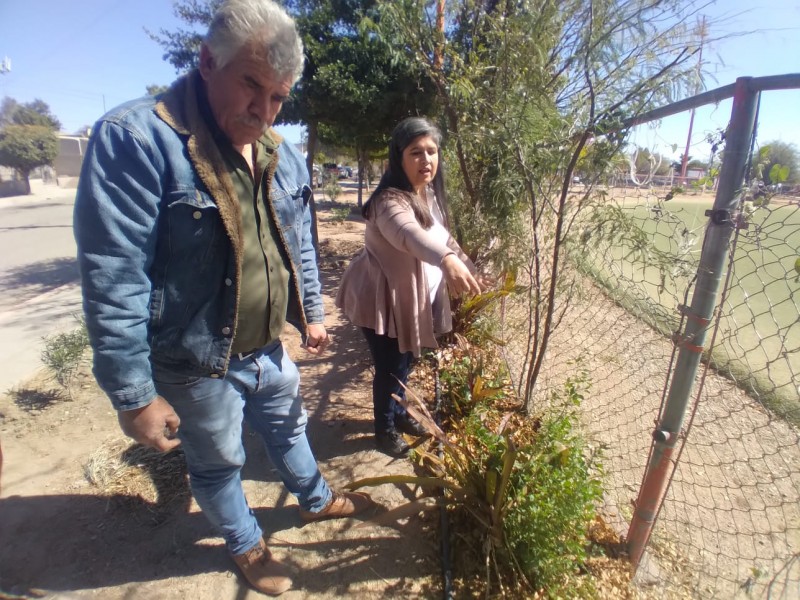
(25,147)
(533,91)
(27,113)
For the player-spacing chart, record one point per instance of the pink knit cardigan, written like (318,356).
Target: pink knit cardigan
(384,287)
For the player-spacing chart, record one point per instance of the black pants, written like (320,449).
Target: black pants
(391,368)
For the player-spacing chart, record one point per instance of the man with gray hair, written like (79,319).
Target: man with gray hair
(194,245)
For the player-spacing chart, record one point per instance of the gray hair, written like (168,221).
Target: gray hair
(239,22)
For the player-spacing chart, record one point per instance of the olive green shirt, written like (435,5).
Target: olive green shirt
(264,289)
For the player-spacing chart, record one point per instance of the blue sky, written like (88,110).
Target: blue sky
(772,49)
(86,56)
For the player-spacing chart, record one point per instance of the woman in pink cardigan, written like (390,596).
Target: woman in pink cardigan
(396,288)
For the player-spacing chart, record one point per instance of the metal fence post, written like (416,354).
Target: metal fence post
(698,316)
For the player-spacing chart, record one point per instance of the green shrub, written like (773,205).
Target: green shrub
(553,497)
(539,489)
(340,214)
(522,489)
(331,188)
(63,352)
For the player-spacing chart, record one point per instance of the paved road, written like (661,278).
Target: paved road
(39,290)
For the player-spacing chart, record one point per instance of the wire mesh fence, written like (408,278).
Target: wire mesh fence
(729,523)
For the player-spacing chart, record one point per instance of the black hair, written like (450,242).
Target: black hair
(404,134)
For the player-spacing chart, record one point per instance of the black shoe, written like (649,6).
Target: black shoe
(391,443)
(408,424)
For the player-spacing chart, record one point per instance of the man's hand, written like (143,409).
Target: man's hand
(317,339)
(152,425)
(458,277)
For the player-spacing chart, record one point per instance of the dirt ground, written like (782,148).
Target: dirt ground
(62,537)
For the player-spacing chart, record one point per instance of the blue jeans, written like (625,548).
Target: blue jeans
(391,368)
(264,389)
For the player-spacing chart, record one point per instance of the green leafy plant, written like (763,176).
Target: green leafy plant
(466,384)
(776,162)
(522,489)
(778,173)
(62,354)
(473,317)
(555,490)
(340,214)
(706,182)
(331,188)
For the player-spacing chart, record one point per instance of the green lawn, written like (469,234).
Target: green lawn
(759,340)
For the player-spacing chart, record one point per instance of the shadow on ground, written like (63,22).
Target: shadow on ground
(43,276)
(85,542)
(32,400)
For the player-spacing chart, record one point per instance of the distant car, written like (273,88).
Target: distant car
(345,172)
(330,170)
(316,177)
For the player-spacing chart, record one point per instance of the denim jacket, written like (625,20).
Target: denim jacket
(157,225)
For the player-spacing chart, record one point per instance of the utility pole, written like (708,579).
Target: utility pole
(685,157)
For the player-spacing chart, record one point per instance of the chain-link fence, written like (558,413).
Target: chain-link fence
(723,485)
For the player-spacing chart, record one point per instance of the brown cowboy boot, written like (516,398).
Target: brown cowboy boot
(266,574)
(341,504)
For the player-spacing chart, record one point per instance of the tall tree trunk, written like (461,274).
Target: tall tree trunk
(311,150)
(360,156)
(25,176)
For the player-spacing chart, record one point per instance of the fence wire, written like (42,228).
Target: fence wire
(730,524)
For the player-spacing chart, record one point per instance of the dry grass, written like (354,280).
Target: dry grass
(137,476)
